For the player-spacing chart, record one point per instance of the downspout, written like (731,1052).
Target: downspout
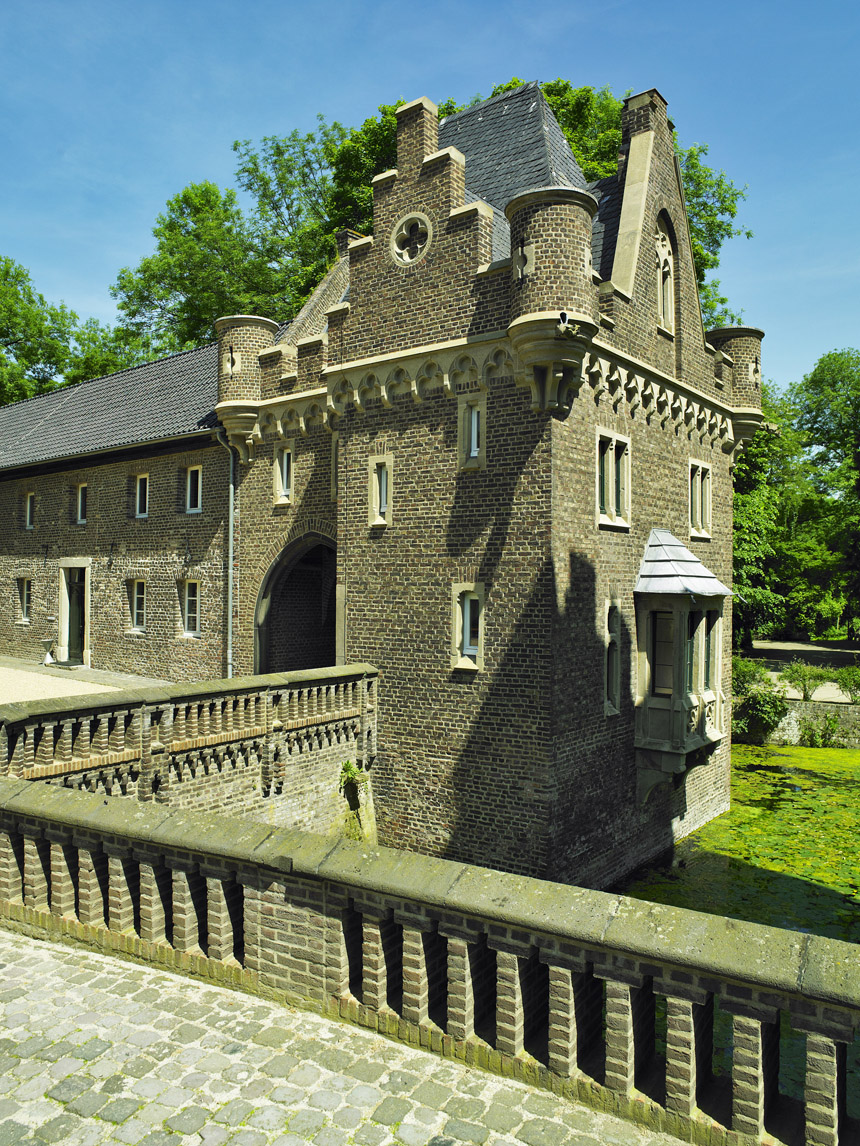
(231,521)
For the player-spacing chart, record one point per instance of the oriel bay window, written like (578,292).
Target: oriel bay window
(680,709)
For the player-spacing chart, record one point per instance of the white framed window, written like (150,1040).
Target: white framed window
(472,430)
(138,606)
(81,504)
(141,495)
(700,499)
(194,489)
(191,608)
(25,598)
(29,510)
(467,626)
(613,481)
(612,665)
(283,475)
(380,470)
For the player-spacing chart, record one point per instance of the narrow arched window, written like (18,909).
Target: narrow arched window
(665,276)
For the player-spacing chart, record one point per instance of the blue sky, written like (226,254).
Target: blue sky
(109,108)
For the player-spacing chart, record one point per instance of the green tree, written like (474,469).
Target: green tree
(98,349)
(35,336)
(209,260)
(828,404)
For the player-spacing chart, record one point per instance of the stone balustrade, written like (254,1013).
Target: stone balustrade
(135,739)
(670,1017)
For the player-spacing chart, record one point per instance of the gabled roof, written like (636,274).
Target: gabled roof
(170,398)
(670,567)
(604,229)
(512,143)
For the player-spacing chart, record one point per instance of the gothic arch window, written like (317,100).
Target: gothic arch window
(665,258)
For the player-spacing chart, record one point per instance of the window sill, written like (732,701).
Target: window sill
(470,465)
(379,523)
(193,512)
(281,505)
(465,664)
(189,636)
(135,633)
(699,535)
(24,623)
(141,517)
(666,333)
(614,524)
(610,709)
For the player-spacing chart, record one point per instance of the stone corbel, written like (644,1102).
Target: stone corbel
(633,390)
(239,420)
(727,435)
(551,348)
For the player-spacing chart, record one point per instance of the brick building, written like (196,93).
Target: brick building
(491,456)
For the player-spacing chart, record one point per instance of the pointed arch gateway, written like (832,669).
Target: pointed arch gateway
(295,616)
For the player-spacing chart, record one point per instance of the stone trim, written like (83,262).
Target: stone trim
(637,180)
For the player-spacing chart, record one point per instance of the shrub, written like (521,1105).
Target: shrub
(848,680)
(821,733)
(804,677)
(758,706)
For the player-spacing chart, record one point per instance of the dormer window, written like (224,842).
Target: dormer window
(665,277)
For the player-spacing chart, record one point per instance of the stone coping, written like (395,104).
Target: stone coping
(71,706)
(764,958)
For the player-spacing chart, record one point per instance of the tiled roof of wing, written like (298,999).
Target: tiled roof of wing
(170,398)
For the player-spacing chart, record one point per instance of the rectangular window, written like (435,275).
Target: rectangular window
(467,626)
(29,510)
(283,475)
(193,491)
(141,496)
(613,481)
(472,418)
(694,619)
(711,650)
(379,492)
(612,668)
(138,605)
(191,608)
(662,654)
(82,504)
(700,499)
(25,596)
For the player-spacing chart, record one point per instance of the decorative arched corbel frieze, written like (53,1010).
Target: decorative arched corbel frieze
(498,364)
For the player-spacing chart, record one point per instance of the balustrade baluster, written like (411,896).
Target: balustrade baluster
(510,1022)
(178,723)
(63,874)
(620,1047)
(189,908)
(45,748)
(204,718)
(681,1057)
(37,868)
(221,908)
(99,740)
(755,1071)
(825,1090)
(374,983)
(81,743)
(562,1022)
(193,721)
(154,901)
(229,711)
(461,996)
(92,884)
(416,988)
(123,890)
(11,866)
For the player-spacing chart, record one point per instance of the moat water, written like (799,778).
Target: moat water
(785,855)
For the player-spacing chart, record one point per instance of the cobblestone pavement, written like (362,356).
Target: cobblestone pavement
(96,1050)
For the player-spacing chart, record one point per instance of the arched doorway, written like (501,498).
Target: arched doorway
(295,618)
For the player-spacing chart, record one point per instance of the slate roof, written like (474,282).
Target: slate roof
(512,143)
(670,567)
(170,398)
(604,229)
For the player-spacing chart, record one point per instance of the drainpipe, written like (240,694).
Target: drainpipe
(231,519)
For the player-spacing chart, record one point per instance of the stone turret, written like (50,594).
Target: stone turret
(742,345)
(241,337)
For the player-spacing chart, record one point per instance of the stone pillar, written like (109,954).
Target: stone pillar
(562,1022)
(121,891)
(374,983)
(220,923)
(188,929)
(91,898)
(461,998)
(680,1057)
(64,863)
(251,925)
(416,990)
(755,1071)
(825,1089)
(11,866)
(36,871)
(510,1022)
(620,1049)
(153,917)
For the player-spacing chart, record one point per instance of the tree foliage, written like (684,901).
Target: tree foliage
(43,345)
